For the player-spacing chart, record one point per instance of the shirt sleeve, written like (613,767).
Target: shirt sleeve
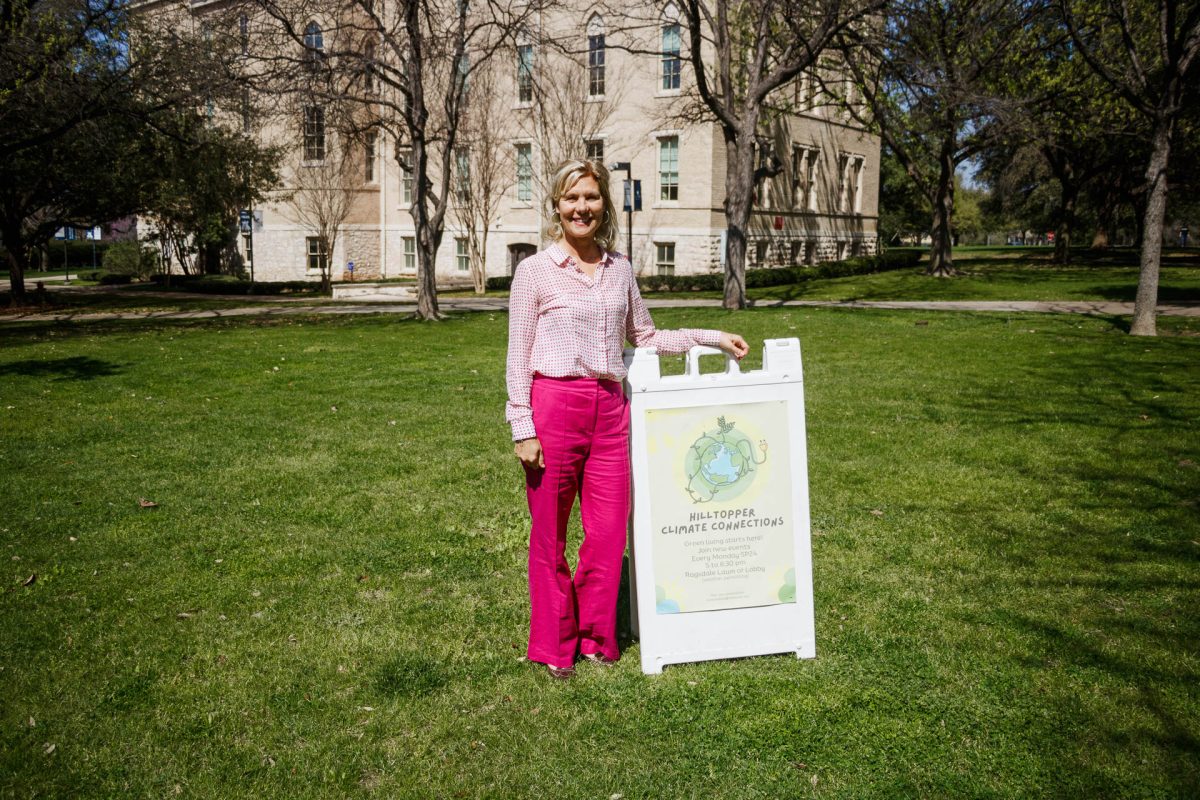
(522,327)
(640,330)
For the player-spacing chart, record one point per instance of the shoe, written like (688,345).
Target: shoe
(560,673)
(600,658)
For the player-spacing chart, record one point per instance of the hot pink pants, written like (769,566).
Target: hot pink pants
(583,427)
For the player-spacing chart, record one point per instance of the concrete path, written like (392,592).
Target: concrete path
(297,306)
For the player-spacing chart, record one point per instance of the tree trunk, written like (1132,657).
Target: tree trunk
(941,258)
(479,273)
(14,245)
(1144,323)
(739,188)
(1069,198)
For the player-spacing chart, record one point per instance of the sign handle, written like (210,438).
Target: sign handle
(693,360)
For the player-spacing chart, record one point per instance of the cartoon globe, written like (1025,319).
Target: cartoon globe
(721,463)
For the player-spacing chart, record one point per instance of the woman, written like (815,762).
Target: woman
(572,307)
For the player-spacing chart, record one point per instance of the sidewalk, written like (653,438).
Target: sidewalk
(296,306)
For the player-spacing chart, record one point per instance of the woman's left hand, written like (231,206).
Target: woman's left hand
(734,344)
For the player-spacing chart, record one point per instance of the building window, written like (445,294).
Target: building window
(369,157)
(797,253)
(406,178)
(850,184)
(248,241)
(314,133)
(244,33)
(245,110)
(670,56)
(410,253)
(524,173)
(595,150)
(804,178)
(596,63)
(318,259)
(314,45)
(664,258)
(369,69)
(525,73)
(668,168)
(760,254)
(462,174)
(462,256)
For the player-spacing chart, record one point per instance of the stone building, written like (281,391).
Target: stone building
(615,102)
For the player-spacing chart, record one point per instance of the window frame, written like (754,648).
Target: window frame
(314,249)
(662,264)
(408,248)
(671,61)
(668,180)
(524,168)
(314,134)
(462,254)
(525,73)
(596,64)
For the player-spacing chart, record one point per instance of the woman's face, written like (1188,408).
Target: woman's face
(581,208)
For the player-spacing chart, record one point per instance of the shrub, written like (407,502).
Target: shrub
(114,278)
(230,284)
(129,258)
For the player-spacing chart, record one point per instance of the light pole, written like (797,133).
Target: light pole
(633,202)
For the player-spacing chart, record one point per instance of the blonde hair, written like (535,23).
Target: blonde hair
(567,174)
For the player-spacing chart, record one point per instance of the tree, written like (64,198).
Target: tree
(1147,53)
(408,64)
(485,169)
(83,89)
(204,174)
(744,54)
(929,81)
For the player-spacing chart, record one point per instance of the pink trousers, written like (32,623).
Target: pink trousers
(583,427)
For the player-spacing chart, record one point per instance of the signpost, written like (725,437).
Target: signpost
(624,166)
(719,548)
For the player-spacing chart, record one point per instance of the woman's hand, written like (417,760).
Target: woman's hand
(530,453)
(734,344)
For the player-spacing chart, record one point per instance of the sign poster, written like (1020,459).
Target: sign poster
(721,506)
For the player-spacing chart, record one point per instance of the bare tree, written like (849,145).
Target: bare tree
(1147,53)
(411,64)
(485,168)
(324,188)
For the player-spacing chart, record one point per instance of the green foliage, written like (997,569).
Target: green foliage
(130,258)
(230,284)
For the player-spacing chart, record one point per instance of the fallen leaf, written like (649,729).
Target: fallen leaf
(333,408)
(32,722)
(183,615)
(29,581)
(813,780)
(268,761)
(144,503)
(875,512)
(1186,462)
(366,708)
(1143,416)
(922,322)
(72,538)
(49,748)
(363,577)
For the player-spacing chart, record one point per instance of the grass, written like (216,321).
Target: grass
(331,603)
(1004,275)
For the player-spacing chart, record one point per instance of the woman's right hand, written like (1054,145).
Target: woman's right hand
(530,453)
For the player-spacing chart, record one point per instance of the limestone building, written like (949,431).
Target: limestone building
(581,82)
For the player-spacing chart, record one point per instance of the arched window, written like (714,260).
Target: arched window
(369,68)
(595,34)
(314,44)
(670,47)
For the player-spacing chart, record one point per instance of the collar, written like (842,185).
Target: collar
(561,258)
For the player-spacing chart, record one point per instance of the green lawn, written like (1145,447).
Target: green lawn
(1026,274)
(329,599)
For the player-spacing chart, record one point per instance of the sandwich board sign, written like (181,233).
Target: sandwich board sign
(720,550)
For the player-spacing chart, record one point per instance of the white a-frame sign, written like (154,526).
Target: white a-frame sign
(720,551)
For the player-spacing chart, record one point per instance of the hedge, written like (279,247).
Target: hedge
(771,276)
(228,284)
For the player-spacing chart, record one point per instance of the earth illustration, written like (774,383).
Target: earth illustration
(722,462)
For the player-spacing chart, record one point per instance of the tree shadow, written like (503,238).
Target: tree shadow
(77,368)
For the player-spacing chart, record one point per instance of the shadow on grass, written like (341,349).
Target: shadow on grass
(1166,294)
(78,368)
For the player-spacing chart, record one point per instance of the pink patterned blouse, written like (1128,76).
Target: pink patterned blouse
(561,323)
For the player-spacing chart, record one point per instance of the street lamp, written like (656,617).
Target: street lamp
(633,202)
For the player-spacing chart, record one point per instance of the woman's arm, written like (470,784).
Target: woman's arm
(522,327)
(640,331)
